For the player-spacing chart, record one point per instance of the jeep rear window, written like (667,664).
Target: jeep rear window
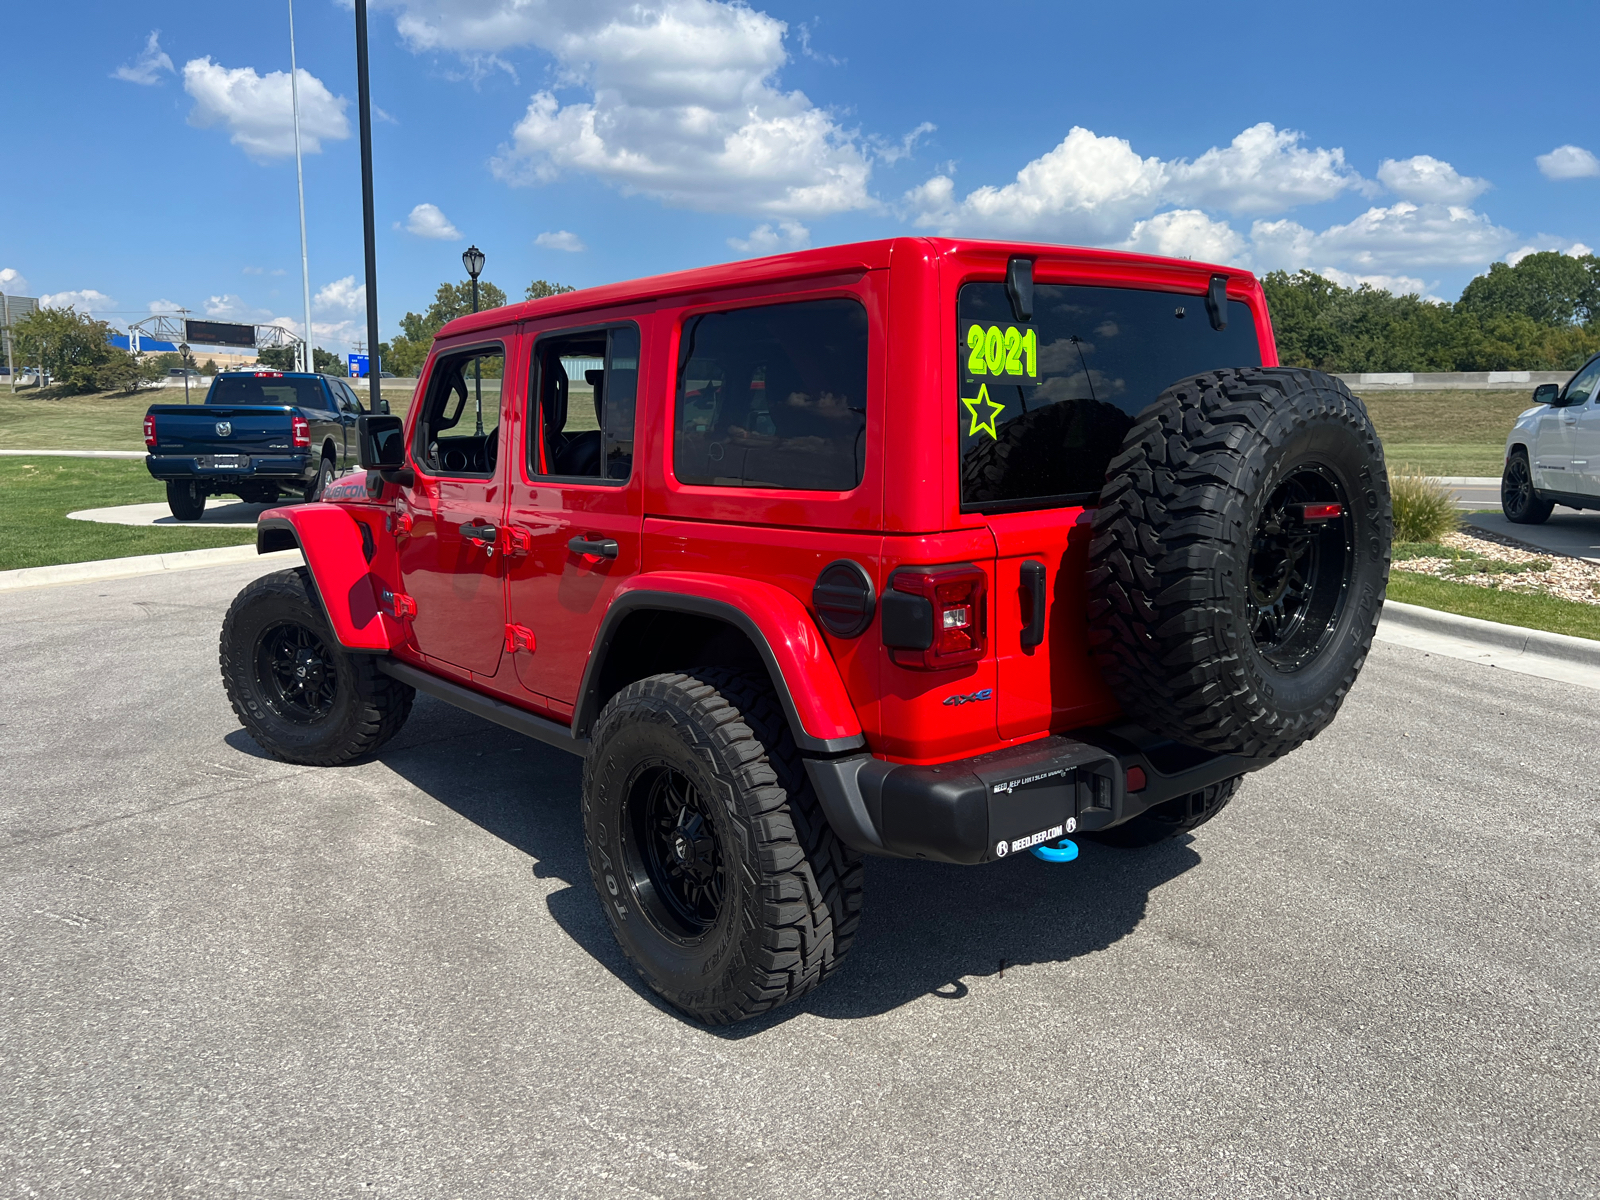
(250,389)
(773,397)
(1045,409)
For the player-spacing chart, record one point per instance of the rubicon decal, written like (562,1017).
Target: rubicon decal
(959,699)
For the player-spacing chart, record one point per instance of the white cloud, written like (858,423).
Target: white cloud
(1568,162)
(1395,285)
(765,239)
(1263,170)
(683,102)
(1186,233)
(163,306)
(1569,248)
(87,300)
(893,152)
(147,68)
(257,110)
(1095,187)
(1386,240)
(345,294)
(12,282)
(560,239)
(1428,180)
(427,221)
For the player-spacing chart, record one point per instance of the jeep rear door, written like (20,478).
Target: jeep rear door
(1043,405)
(573,524)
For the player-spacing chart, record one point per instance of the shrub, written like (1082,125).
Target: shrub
(1424,509)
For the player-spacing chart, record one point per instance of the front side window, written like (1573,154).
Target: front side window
(1043,405)
(1582,388)
(585,390)
(458,432)
(773,397)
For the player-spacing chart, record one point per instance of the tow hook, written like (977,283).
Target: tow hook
(1061,850)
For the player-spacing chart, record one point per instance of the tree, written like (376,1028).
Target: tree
(540,288)
(409,351)
(1548,288)
(327,362)
(210,367)
(71,346)
(124,372)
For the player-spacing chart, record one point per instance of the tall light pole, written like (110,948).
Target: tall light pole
(472,259)
(364,104)
(300,182)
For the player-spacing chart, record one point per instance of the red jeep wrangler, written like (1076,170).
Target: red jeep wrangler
(928,548)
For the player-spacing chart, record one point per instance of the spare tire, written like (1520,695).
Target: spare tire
(1239,559)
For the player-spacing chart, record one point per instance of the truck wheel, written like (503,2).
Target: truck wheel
(1520,503)
(317,486)
(1168,820)
(1239,559)
(300,696)
(185,499)
(719,875)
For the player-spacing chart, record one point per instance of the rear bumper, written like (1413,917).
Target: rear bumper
(966,811)
(260,466)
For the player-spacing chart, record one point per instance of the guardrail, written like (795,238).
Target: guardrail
(1452,381)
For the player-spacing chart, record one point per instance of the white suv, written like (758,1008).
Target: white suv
(1553,453)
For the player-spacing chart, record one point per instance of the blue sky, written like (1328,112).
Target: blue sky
(589,140)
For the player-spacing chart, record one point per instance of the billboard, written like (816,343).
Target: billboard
(219,333)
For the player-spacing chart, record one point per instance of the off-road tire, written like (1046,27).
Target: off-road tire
(325,473)
(1520,503)
(792,898)
(367,708)
(1171,616)
(1167,820)
(186,499)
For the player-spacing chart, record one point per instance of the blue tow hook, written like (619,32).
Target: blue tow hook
(1062,851)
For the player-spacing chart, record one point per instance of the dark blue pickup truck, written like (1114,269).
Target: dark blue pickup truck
(258,434)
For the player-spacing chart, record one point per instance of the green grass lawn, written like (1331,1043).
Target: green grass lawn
(1446,433)
(110,421)
(1489,604)
(36,494)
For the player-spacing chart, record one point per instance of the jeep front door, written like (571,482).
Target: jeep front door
(575,512)
(448,520)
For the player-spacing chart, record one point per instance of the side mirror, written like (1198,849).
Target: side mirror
(1546,393)
(382,441)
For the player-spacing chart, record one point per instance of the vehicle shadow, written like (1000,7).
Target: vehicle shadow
(926,928)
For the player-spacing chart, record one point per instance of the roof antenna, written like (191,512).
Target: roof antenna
(1019,286)
(1217,302)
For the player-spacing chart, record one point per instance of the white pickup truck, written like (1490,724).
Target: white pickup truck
(1553,451)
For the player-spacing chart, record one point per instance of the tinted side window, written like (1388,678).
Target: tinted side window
(459,430)
(1582,388)
(773,397)
(1043,411)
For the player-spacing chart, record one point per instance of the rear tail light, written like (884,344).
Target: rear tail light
(300,433)
(935,617)
(150,432)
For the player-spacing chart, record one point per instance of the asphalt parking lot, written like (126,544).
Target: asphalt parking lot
(1374,975)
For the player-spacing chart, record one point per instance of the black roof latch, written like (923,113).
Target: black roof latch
(1019,286)
(1217,302)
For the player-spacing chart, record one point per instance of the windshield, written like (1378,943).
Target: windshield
(267,389)
(1044,405)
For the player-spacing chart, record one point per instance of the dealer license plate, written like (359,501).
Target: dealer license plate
(224,462)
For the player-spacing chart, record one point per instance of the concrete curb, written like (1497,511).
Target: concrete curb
(1468,480)
(136,564)
(72,453)
(1511,647)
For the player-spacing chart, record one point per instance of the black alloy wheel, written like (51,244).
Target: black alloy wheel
(673,864)
(1300,568)
(1518,500)
(296,674)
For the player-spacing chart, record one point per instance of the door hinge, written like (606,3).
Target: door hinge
(398,605)
(519,637)
(514,541)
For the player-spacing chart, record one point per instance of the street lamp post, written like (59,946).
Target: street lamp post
(472,259)
(183,353)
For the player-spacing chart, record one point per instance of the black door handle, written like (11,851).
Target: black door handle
(1033,610)
(482,534)
(601,547)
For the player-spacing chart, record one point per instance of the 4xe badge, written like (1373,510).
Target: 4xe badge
(958,699)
